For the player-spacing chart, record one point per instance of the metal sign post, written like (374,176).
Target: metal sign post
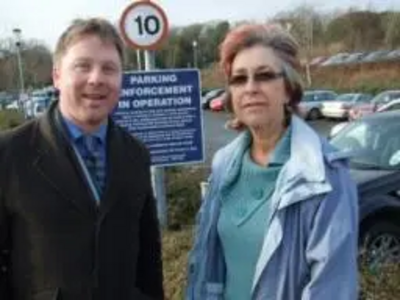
(144,26)
(138,60)
(157,173)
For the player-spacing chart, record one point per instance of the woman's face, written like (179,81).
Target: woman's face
(257,87)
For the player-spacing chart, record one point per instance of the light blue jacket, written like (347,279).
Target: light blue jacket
(310,249)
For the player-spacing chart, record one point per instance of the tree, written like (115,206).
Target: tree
(392,29)
(178,51)
(8,65)
(306,25)
(358,30)
(210,40)
(36,60)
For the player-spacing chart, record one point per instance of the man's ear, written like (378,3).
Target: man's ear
(56,76)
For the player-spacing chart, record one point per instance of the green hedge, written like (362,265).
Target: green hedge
(10,118)
(183,194)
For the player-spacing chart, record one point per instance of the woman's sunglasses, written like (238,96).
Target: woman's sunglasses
(261,77)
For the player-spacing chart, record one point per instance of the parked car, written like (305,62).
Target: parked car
(317,60)
(354,57)
(218,103)
(39,101)
(205,91)
(360,110)
(335,59)
(13,105)
(393,55)
(378,101)
(376,56)
(6,99)
(337,128)
(205,101)
(374,145)
(340,107)
(311,103)
(392,105)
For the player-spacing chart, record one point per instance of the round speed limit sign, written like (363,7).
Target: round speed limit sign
(144,25)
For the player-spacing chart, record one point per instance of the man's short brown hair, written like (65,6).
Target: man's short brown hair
(80,28)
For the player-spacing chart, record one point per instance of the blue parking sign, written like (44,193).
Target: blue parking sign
(162,109)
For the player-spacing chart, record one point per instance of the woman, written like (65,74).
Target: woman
(279,220)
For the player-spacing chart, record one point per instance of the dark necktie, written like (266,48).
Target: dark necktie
(94,164)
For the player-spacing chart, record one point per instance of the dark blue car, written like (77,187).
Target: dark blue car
(374,143)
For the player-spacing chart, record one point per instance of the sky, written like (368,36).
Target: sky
(44,20)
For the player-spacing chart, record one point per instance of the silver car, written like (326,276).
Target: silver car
(340,107)
(312,101)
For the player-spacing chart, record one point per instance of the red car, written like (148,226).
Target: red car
(218,104)
(361,110)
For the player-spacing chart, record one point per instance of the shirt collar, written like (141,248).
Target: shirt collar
(75,132)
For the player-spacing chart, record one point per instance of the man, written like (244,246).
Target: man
(77,215)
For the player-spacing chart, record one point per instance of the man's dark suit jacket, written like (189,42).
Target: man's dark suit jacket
(55,242)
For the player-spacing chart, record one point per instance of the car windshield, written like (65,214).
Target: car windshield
(345,97)
(307,97)
(310,96)
(365,99)
(213,93)
(374,143)
(386,97)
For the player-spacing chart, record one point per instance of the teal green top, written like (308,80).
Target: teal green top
(243,221)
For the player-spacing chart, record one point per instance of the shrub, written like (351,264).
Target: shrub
(382,283)
(379,278)
(10,118)
(183,194)
(176,246)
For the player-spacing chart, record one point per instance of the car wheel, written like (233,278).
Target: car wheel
(314,114)
(380,244)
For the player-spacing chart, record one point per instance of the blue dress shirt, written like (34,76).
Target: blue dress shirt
(75,134)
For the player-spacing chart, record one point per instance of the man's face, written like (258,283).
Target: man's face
(88,77)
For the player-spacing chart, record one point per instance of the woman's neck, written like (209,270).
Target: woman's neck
(264,141)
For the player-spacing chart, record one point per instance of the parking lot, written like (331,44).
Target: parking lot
(217,136)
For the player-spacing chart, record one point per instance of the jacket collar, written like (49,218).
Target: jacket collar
(303,175)
(54,154)
(306,153)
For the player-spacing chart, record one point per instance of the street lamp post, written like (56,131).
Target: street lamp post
(17,34)
(194,44)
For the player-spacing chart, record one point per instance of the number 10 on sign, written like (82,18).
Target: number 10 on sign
(147,25)
(144,25)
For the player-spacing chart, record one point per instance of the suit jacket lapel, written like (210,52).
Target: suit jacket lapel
(122,159)
(57,164)
(115,162)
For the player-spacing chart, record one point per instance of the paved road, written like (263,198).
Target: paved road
(217,136)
